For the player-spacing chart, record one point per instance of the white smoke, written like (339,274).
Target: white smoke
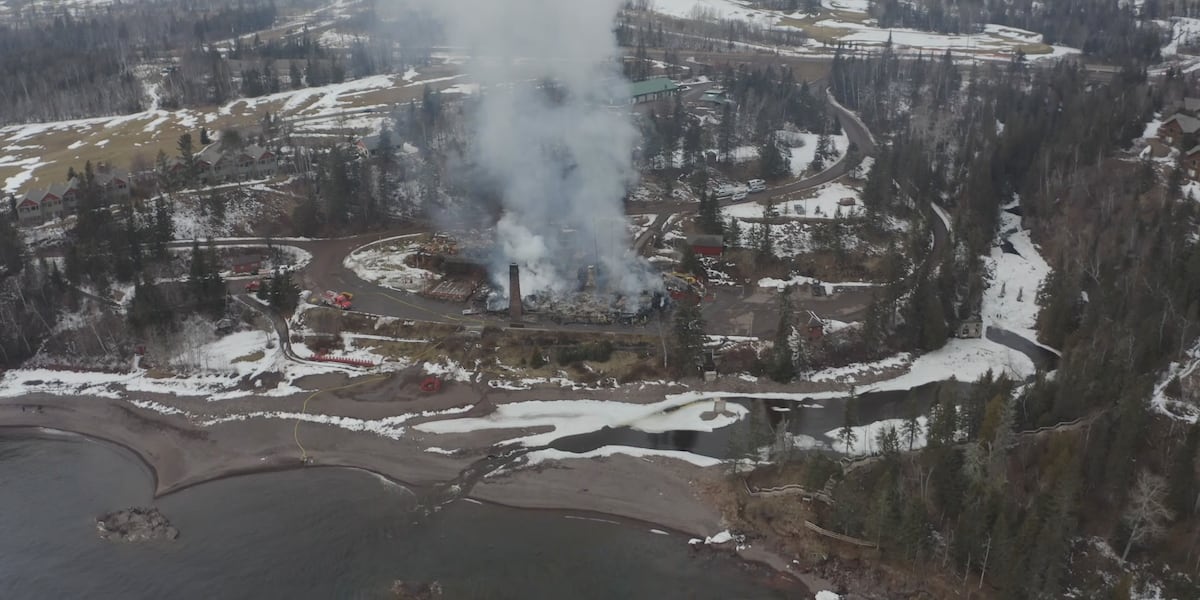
(548,135)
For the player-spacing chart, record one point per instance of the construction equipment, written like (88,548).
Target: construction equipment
(680,285)
(431,385)
(334,299)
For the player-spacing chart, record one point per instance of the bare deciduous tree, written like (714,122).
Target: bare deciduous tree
(1146,515)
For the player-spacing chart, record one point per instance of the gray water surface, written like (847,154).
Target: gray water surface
(317,533)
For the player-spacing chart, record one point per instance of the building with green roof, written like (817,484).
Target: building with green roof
(652,90)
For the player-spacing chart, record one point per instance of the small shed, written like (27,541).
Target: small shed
(970,328)
(707,244)
(246,264)
(815,327)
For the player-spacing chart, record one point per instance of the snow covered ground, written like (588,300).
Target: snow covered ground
(1010,299)
(821,203)
(804,148)
(779,284)
(961,359)
(1183,31)
(866,437)
(573,417)
(1173,408)
(383,263)
(540,456)
(208,366)
(849,23)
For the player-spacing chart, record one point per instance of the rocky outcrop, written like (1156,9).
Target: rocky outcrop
(135,525)
(407,590)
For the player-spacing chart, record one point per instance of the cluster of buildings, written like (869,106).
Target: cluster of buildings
(1181,130)
(39,206)
(216,163)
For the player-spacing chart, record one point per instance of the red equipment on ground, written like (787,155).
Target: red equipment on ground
(431,385)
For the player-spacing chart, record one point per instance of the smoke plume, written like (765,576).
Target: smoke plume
(548,136)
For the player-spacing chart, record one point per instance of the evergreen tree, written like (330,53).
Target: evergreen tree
(164,226)
(187,156)
(295,77)
(12,249)
(912,425)
(823,154)
(687,351)
(710,214)
(725,133)
(772,163)
(783,365)
(846,435)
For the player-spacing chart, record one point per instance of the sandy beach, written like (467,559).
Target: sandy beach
(182,453)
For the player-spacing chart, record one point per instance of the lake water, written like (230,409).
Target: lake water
(316,533)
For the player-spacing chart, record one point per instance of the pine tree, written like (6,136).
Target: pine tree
(164,226)
(772,163)
(823,153)
(725,133)
(912,425)
(846,435)
(783,365)
(187,156)
(710,214)
(690,263)
(686,352)
(733,233)
(295,77)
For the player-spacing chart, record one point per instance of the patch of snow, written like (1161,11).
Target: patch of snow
(549,454)
(383,263)
(1177,409)
(866,436)
(573,417)
(961,359)
(804,149)
(822,203)
(780,284)
(1010,299)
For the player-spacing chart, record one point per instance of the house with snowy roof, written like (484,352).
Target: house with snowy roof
(1176,127)
(62,198)
(215,163)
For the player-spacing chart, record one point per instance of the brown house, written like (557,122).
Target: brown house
(815,328)
(1173,130)
(1191,163)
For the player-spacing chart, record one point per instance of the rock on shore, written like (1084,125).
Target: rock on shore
(135,525)
(406,590)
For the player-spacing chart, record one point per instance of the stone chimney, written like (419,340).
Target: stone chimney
(514,292)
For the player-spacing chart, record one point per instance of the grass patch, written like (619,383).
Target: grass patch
(825,34)
(121,139)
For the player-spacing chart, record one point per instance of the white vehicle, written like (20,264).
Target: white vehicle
(470,311)
(725,193)
(756,185)
(739,195)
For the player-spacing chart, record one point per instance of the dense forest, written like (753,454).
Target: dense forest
(1121,303)
(65,65)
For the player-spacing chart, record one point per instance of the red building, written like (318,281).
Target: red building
(707,245)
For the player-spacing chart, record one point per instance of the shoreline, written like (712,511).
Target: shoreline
(631,504)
